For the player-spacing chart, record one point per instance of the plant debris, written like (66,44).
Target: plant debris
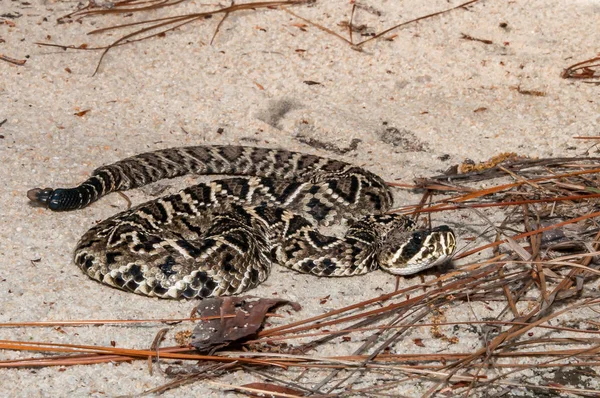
(471,38)
(468,166)
(240,318)
(588,69)
(269,390)
(530,265)
(159,27)
(19,62)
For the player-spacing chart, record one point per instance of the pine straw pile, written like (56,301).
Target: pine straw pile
(519,311)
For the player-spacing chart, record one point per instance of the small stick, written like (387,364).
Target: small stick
(471,38)
(15,61)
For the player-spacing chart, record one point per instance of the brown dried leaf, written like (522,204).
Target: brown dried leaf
(82,113)
(240,319)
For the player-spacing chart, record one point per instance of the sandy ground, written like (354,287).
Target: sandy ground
(407,107)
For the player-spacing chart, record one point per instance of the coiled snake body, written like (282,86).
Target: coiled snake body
(221,238)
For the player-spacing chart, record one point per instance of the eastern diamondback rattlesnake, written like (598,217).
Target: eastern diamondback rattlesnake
(221,238)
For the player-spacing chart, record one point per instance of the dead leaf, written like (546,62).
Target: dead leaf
(240,319)
(324,300)
(82,113)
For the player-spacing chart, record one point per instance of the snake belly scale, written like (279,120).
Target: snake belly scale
(221,238)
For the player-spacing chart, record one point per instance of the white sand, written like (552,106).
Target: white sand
(409,101)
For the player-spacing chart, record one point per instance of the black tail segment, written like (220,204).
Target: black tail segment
(65,199)
(56,200)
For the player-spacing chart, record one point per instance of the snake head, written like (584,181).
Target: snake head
(406,253)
